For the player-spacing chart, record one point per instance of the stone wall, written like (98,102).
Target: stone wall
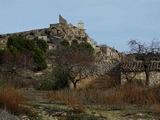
(110,55)
(140,77)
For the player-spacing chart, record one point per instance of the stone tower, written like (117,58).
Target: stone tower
(80,25)
(62,20)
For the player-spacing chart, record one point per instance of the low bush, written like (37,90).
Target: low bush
(17,45)
(60,78)
(57,80)
(46,85)
(41,44)
(39,60)
(12,100)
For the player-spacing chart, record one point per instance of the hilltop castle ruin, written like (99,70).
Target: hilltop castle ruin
(63,30)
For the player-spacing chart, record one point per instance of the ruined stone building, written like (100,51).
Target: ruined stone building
(134,70)
(55,33)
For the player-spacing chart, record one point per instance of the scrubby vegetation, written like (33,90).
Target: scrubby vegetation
(14,105)
(73,65)
(12,100)
(31,52)
(73,62)
(127,94)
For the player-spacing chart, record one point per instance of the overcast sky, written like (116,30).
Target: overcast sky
(111,22)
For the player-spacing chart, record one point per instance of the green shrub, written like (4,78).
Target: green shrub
(73,60)
(14,51)
(46,85)
(39,60)
(41,44)
(22,44)
(58,80)
(35,47)
(61,78)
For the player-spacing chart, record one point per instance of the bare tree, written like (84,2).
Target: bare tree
(145,53)
(76,59)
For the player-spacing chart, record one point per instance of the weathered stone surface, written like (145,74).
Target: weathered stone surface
(62,20)
(140,77)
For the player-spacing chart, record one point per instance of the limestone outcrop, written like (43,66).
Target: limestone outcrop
(55,33)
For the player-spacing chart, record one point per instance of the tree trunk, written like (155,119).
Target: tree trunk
(75,85)
(147,70)
(147,78)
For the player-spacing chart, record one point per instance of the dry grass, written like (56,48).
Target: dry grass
(156,108)
(78,97)
(156,91)
(132,94)
(138,95)
(11,99)
(126,94)
(69,98)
